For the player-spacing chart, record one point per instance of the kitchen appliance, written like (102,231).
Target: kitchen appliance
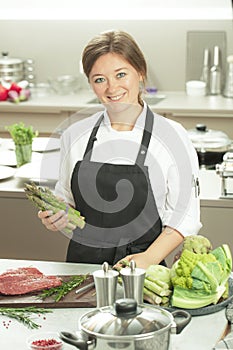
(127,325)
(211,145)
(225,171)
(228,88)
(11,69)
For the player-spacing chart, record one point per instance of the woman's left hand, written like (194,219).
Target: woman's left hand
(142,261)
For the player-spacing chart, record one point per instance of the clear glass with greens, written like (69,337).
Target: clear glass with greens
(22,136)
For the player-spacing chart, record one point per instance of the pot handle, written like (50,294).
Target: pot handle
(183,321)
(78,342)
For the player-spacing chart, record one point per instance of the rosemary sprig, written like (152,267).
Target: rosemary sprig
(59,292)
(23,315)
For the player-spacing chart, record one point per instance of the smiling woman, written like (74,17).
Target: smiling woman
(92,9)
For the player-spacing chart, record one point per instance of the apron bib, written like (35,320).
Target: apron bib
(118,205)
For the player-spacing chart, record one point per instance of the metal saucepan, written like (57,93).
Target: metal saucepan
(129,326)
(210,145)
(11,69)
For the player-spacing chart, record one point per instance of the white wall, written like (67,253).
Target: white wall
(56,46)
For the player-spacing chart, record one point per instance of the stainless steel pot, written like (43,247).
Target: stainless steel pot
(211,145)
(128,326)
(11,69)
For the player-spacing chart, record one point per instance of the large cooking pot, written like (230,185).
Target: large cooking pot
(11,69)
(210,145)
(129,326)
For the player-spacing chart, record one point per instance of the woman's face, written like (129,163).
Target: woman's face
(115,81)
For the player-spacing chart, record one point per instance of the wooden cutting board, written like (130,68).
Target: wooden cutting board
(71,300)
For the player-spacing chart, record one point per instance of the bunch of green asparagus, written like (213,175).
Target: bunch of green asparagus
(156,291)
(44,199)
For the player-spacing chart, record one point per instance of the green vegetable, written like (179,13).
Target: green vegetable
(21,134)
(201,279)
(59,292)
(23,315)
(159,273)
(154,287)
(197,244)
(192,299)
(44,199)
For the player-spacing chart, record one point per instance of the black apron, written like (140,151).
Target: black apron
(118,204)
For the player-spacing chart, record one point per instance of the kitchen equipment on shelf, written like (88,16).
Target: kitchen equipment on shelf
(216,73)
(11,69)
(29,72)
(211,145)
(196,88)
(127,325)
(228,88)
(133,282)
(205,68)
(105,285)
(225,171)
(64,84)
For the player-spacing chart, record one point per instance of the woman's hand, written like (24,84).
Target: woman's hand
(142,261)
(55,222)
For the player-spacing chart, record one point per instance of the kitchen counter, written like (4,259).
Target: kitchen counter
(174,101)
(202,333)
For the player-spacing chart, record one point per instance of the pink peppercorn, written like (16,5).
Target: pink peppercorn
(45,344)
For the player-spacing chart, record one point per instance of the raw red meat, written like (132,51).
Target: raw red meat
(25,280)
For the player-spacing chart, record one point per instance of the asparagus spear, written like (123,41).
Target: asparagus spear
(44,199)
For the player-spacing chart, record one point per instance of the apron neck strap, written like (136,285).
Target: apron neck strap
(92,139)
(146,137)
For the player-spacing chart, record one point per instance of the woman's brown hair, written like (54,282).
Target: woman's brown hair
(118,42)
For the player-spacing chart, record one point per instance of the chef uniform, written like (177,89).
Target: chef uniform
(128,228)
(127,184)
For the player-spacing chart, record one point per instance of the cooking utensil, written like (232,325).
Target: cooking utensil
(127,325)
(211,145)
(85,288)
(11,69)
(105,285)
(133,282)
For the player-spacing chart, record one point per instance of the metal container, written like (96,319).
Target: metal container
(228,88)
(211,145)
(127,325)
(133,282)
(11,69)
(105,285)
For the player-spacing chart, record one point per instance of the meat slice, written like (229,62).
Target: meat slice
(26,280)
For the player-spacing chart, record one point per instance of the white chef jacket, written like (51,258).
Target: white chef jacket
(171,160)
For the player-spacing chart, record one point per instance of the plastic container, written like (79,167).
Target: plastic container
(196,88)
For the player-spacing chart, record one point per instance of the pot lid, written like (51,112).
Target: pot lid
(203,138)
(6,60)
(125,318)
